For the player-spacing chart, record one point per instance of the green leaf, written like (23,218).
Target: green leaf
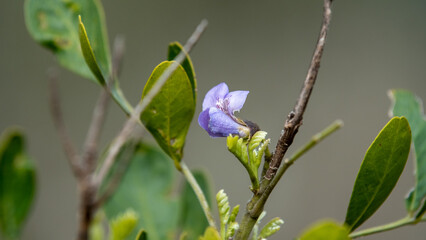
(409,200)
(174,49)
(422,211)
(193,221)
(380,170)
(123,225)
(170,112)
(54,24)
(238,147)
(271,228)
(249,152)
(17,183)
(96,229)
(146,188)
(142,235)
(211,234)
(256,148)
(234,214)
(224,211)
(408,105)
(326,230)
(88,54)
(233,226)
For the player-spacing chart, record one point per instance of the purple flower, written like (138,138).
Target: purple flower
(217,117)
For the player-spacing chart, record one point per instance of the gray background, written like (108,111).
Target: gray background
(260,46)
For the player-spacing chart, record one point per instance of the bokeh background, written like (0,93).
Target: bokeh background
(261,46)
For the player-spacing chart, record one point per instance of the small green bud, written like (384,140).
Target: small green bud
(270,228)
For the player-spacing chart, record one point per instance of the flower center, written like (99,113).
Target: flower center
(222,105)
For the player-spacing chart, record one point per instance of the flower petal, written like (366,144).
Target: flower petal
(203,119)
(236,100)
(216,93)
(221,125)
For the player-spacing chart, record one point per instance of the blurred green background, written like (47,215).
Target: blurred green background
(261,46)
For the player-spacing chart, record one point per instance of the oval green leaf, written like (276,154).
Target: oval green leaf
(408,105)
(17,183)
(122,226)
(146,188)
(54,24)
(380,170)
(169,114)
(210,234)
(326,230)
(174,49)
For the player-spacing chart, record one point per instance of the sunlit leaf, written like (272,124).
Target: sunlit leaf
(170,112)
(326,230)
(210,234)
(271,228)
(17,183)
(96,229)
(380,170)
(123,225)
(408,105)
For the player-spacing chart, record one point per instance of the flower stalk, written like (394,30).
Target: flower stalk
(386,227)
(199,193)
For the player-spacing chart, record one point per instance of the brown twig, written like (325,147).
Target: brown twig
(92,139)
(58,120)
(294,121)
(289,162)
(295,117)
(87,188)
(117,56)
(115,179)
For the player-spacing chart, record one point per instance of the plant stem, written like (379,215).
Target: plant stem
(291,126)
(386,227)
(199,193)
(295,117)
(288,162)
(255,206)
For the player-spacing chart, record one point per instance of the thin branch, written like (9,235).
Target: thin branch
(135,116)
(117,56)
(117,176)
(267,158)
(58,120)
(294,119)
(387,227)
(199,193)
(317,138)
(87,188)
(92,139)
